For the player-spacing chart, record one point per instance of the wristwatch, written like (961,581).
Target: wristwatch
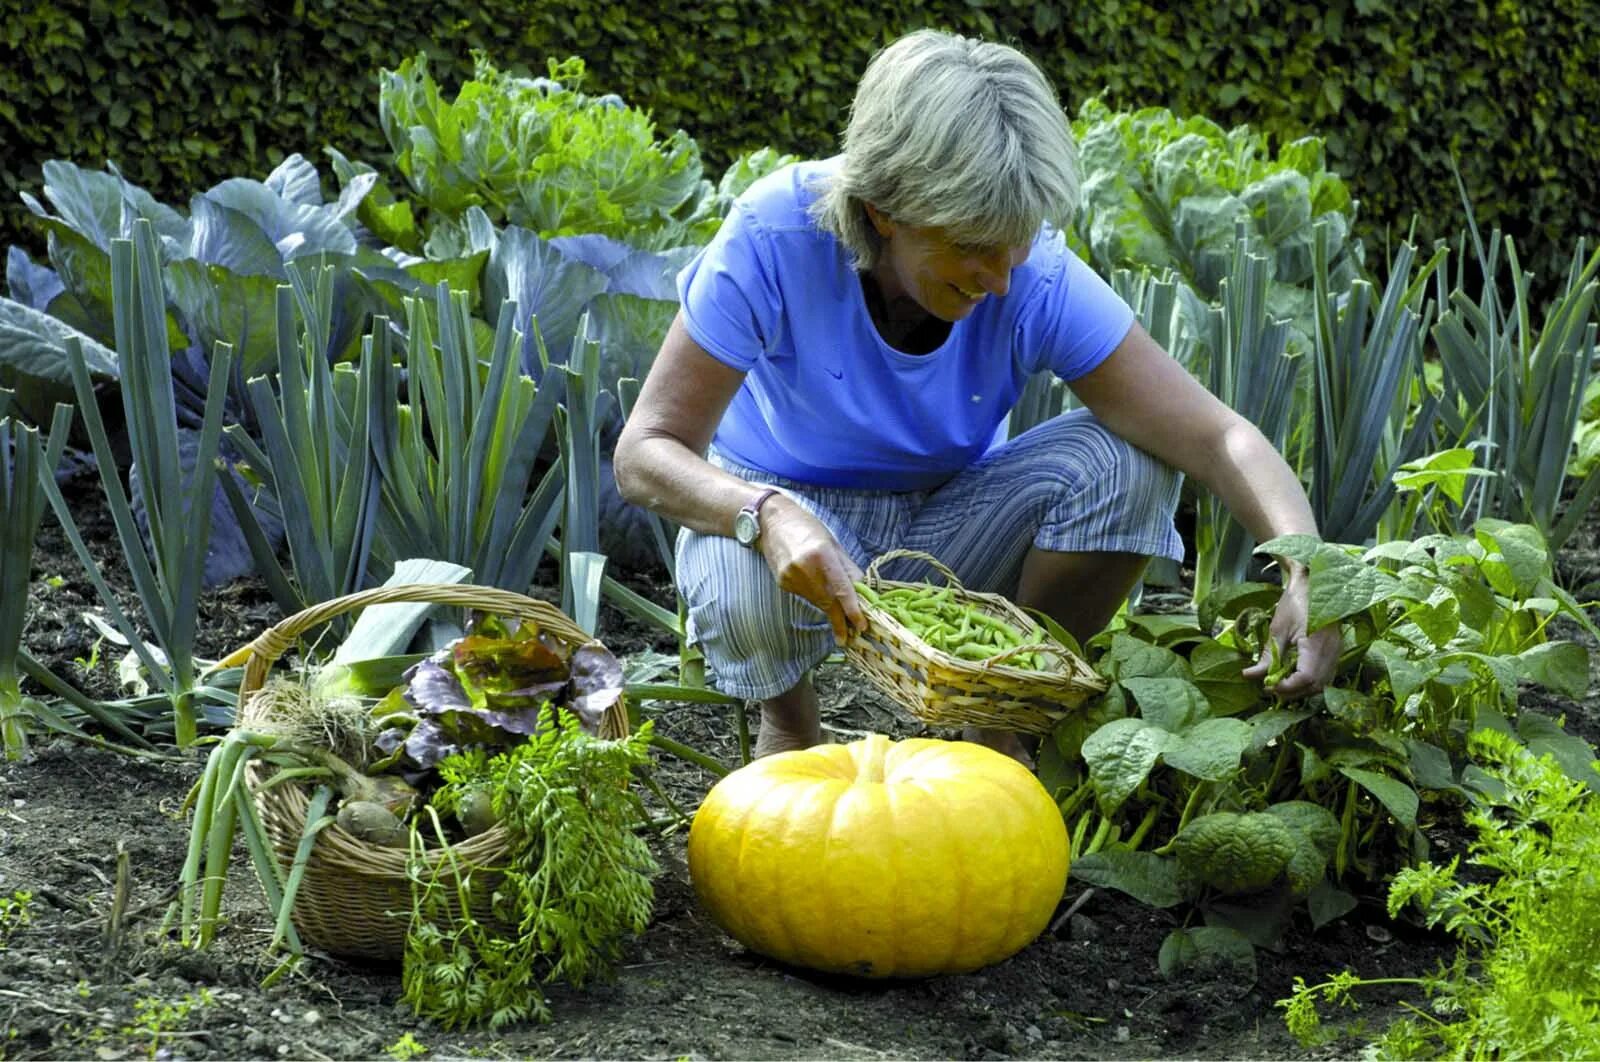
(747,523)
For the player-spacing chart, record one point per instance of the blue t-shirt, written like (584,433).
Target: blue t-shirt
(825,399)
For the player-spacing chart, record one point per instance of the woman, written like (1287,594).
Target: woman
(848,346)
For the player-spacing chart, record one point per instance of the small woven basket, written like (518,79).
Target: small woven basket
(355,897)
(943,690)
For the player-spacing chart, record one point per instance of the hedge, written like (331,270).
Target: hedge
(182,100)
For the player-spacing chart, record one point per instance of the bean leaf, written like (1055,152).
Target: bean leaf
(1120,756)
(1398,798)
(1210,749)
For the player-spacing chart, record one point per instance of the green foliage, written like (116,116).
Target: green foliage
(1397,90)
(1258,808)
(1446,624)
(224,256)
(1163,192)
(1523,984)
(543,155)
(175,502)
(16,911)
(1371,412)
(158,1019)
(1586,441)
(577,883)
(24,459)
(1243,358)
(457,456)
(1233,852)
(1508,89)
(406,1048)
(315,454)
(179,99)
(1517,379)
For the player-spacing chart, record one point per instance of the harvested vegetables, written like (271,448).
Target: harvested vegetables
(499,731)
(944,621)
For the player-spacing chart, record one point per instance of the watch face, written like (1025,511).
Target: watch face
(746,527)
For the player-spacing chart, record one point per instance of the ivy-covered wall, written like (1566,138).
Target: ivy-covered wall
(180,100)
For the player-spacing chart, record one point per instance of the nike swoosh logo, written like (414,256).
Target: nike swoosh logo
(837,374)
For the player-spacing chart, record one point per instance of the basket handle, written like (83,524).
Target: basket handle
(259,655)
(871,578)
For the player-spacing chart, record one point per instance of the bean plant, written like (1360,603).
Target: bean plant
(1438,635)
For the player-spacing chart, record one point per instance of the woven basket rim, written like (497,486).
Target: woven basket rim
(1084,675)
(886,619)
(942,689)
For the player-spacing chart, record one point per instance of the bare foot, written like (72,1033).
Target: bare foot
(1001,741)
(789,721)
(771,739)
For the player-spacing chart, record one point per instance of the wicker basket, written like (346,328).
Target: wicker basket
(943,690)
(355,898)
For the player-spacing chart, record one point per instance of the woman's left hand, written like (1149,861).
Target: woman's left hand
(1316,653)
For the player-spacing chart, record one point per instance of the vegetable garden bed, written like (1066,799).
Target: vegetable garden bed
(98,840)
(1230,850)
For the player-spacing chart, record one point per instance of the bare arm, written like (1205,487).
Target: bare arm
(1146,397)
(660,464)
(660,458)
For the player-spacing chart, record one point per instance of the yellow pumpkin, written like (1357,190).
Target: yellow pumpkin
(881,858)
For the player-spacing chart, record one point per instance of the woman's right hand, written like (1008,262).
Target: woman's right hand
(807,560)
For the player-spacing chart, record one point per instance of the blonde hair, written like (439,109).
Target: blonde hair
(948,131)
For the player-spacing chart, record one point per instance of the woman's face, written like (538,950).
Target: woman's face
(943,276)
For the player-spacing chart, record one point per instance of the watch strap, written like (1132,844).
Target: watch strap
(752,510)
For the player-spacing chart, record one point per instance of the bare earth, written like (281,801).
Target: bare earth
(1088,988)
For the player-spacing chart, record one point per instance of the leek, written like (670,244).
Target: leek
(580,417)
(457,460)
(24,462)
(315,453)
(168,573)
(1248,366)
(1516,391)
(1368,364)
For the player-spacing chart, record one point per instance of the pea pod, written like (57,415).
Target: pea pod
(944,622)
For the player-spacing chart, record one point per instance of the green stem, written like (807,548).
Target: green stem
(684,752)
(662,795)
(1079,830)
(1100,834)
(1347,819)
(317,820)
(741,715)
(185,726)
(269,875)
(1144,827)
(13,731)
(1189,806)
(284,775)
(1278,766)
(691,662)
(1074,799)
(78,699)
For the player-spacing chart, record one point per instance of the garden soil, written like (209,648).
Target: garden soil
(98,838)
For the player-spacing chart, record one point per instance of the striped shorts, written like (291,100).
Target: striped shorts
(1067,485)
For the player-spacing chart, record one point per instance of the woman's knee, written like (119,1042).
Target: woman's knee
(752,632)
(1101,456)
(722,581)
(1120,498)
(1150,474)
